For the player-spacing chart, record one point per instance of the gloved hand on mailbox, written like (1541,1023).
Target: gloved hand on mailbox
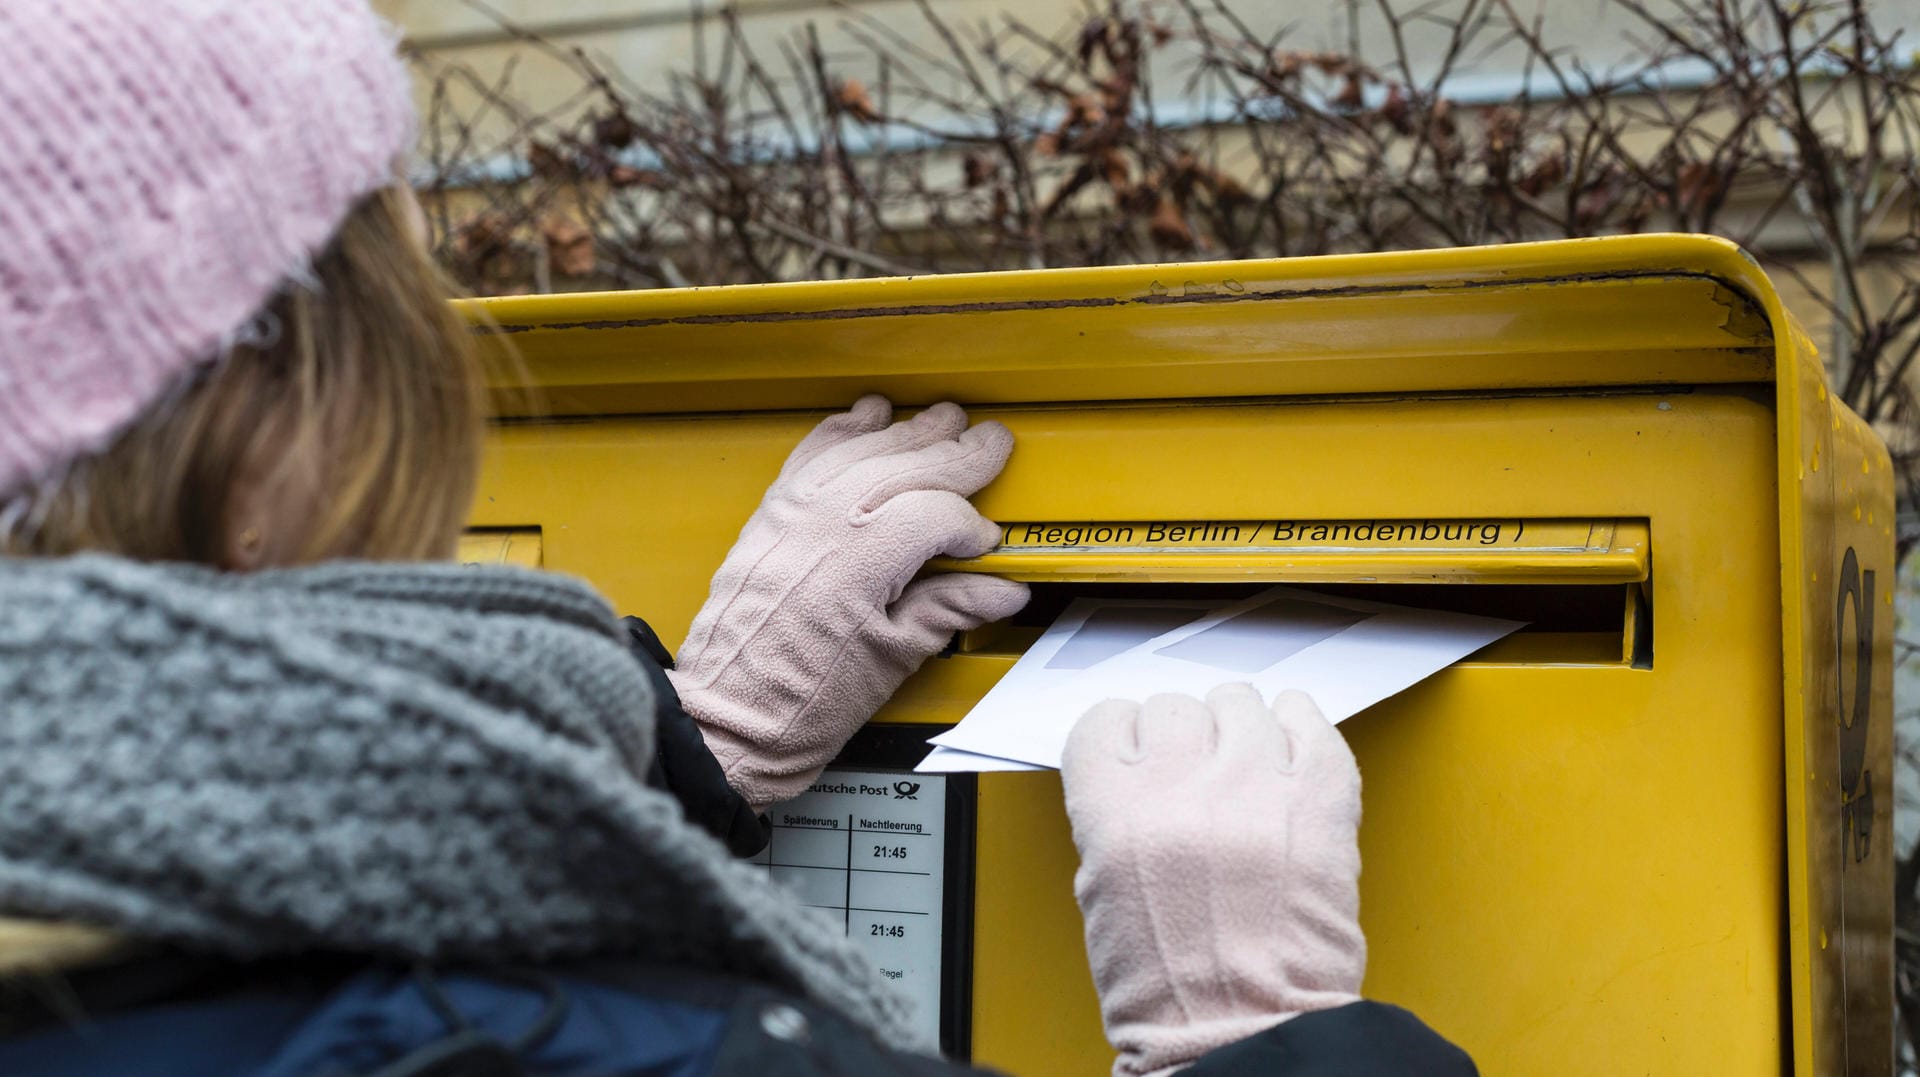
(1219,869)
(814,619)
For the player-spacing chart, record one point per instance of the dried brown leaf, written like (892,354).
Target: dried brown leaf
(570,247)
(851,97)
(623,176)
(1333,63)
(1699,185)
(1285,66)
(1502,141)
(1084,111)
(481,236)
(1545,172)
(1396,110)
(978,168)
(1229,191)
(1169,227)
(615,131)
(549,161)
(1503,128)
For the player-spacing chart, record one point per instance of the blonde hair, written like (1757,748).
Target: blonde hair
(357,387)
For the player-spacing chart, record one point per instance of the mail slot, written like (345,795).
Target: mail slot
(1649,833)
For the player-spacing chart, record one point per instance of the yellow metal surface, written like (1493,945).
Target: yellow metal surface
(1837,579)
(1571,866)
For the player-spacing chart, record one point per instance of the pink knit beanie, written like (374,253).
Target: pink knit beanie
(165,165)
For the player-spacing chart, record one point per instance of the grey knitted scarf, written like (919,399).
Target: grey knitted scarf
(427,762)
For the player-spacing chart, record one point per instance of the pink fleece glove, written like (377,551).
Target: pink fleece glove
(1219,869)
(814,620)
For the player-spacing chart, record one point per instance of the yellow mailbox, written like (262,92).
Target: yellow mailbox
(1648,834)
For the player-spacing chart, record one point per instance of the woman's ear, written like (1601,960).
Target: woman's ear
(269,513)
(243,552)
(243,538)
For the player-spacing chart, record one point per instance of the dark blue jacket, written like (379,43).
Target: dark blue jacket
(176,1016)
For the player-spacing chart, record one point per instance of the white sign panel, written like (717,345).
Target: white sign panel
(870,847)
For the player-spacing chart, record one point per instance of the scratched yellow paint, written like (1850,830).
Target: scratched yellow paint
(506,546)
(1587,851)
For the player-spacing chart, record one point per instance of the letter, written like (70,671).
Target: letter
(1318,533)
(1033,534)
(1343,532)
(1177,534)
(1453,532)
(1489,534)
(1429,531)
(1102,534)
(1123,534)
(1074,535)
(1407,532)
(1363,532)
(1156,532)
(1229,533)
(1283,530)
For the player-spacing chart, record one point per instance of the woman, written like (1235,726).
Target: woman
(282,792)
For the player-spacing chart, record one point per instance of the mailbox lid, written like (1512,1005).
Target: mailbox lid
(1528,316)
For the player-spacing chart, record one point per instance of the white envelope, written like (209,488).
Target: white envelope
(1347,653)
(944,760)
(1090,630)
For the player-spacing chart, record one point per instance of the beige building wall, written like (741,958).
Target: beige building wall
(648,41)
